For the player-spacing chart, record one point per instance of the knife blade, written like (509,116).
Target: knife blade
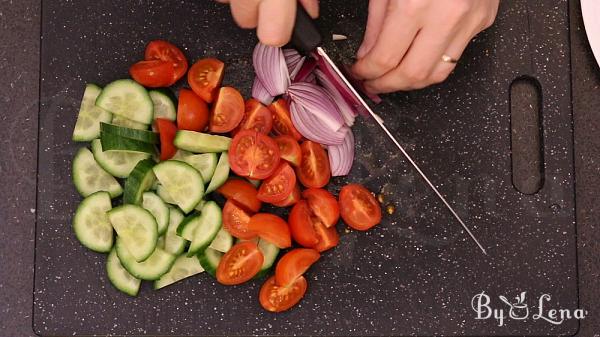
(307,38)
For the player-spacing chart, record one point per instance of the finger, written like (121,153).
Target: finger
(455,50)
(397,33)
(311,7)
(245,12)
(275,21)
(375,19)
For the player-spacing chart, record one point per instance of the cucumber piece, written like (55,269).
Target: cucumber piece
(188,226)
(155,266)
(164,195)
(210,224)
(89,177)
(91,224)
(200,142)
(182,182)
(180,154)
(136,229)
(221,173)
(270,252)
(128,123)
(171,242)
(200,205)
(183,267)
(205,163)
(118,163)
(114,142)
(222,242)
(139,181)
(157,207)
(125,132)
(209,260)
(128,99)
(89,117)
(164,104)
(120,277)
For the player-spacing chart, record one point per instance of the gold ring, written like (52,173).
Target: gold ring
(449,59)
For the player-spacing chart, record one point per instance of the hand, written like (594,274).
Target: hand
(405,40)
(273,19)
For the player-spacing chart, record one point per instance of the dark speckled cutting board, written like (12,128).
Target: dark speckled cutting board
(417,272)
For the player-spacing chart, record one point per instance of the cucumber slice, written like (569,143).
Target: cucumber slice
(222,242)
(188,226)
(210,224)
(120,277)
(128,99)
(125,132)
(182,182)
(221,173)
(171,242)
(155,266)
(183,267)
(89,177)
(157,207)
(209,260)
(200,205)
(180,154)
(136,229)
(164,104)
(128,123)
(200,142)
(270,252)
(164,195)
(139,181)
(91,224)
(87,126)
(114,142)
(118,163)
(205,163)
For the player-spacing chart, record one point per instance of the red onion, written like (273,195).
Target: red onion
(271,69)
(341,156)
(306,71)
(294,61)
(315,100)
(345,109)
(359,84)
(313,128)
(260,93)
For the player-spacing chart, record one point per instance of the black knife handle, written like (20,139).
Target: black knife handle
(305,37)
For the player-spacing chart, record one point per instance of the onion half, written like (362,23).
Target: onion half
(271,69)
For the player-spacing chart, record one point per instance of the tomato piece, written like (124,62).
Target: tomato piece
(277,299)
(152,74)
(242,192)
(294,264)
(323,205)
(314,168)
(192,112)
(227,111)
(271,228)
(293,198)
(235,221)
(166,51)
(302,226)
(289,148)
(240,263)
(328,237)
(257,117)
(282,120)
(166,131)
(358,207)
(253,155)
(205,78)
(278,186)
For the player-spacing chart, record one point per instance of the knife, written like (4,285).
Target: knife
(307,39)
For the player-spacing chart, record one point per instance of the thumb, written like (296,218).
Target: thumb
(311,7)
(377,10)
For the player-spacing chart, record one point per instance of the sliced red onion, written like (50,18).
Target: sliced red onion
(317,101)
(271,69)
(337,81)
(341,156)
(306,71)
(260,93)
(313,128)
(294,61)
(348,113)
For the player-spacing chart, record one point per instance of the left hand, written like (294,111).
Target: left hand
(405,40)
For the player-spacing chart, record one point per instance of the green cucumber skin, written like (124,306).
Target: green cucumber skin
(114,142)
(188,232)
(198,142)
(115,280)
(134,188)
(119,171)
(208,226)
(139,272)
(135,134)
(208,262)
(153,229)
(221,173)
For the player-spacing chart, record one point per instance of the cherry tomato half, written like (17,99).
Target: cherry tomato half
(153,74)
(292,199)
(253,155)
(271,228)
(166,131)
(242,192)
(289,148)
(308,231)
(192,112)
(358,207)
(235,221)
(277,299)
(257,117)
(323,205)
(294,264)
(166,51)
(240,263)
(328,237)
(205,78)
(282,120)
(227,111)
(314,168)
(278,186)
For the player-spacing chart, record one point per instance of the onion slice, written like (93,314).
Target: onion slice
(294,61)
(341,156)
(313,128)
(345,109)
(271,69)
(260,93)
(305,74)
(317,101)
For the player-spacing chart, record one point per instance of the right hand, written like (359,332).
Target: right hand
(273,19)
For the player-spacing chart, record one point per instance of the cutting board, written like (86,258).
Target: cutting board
(415,274)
